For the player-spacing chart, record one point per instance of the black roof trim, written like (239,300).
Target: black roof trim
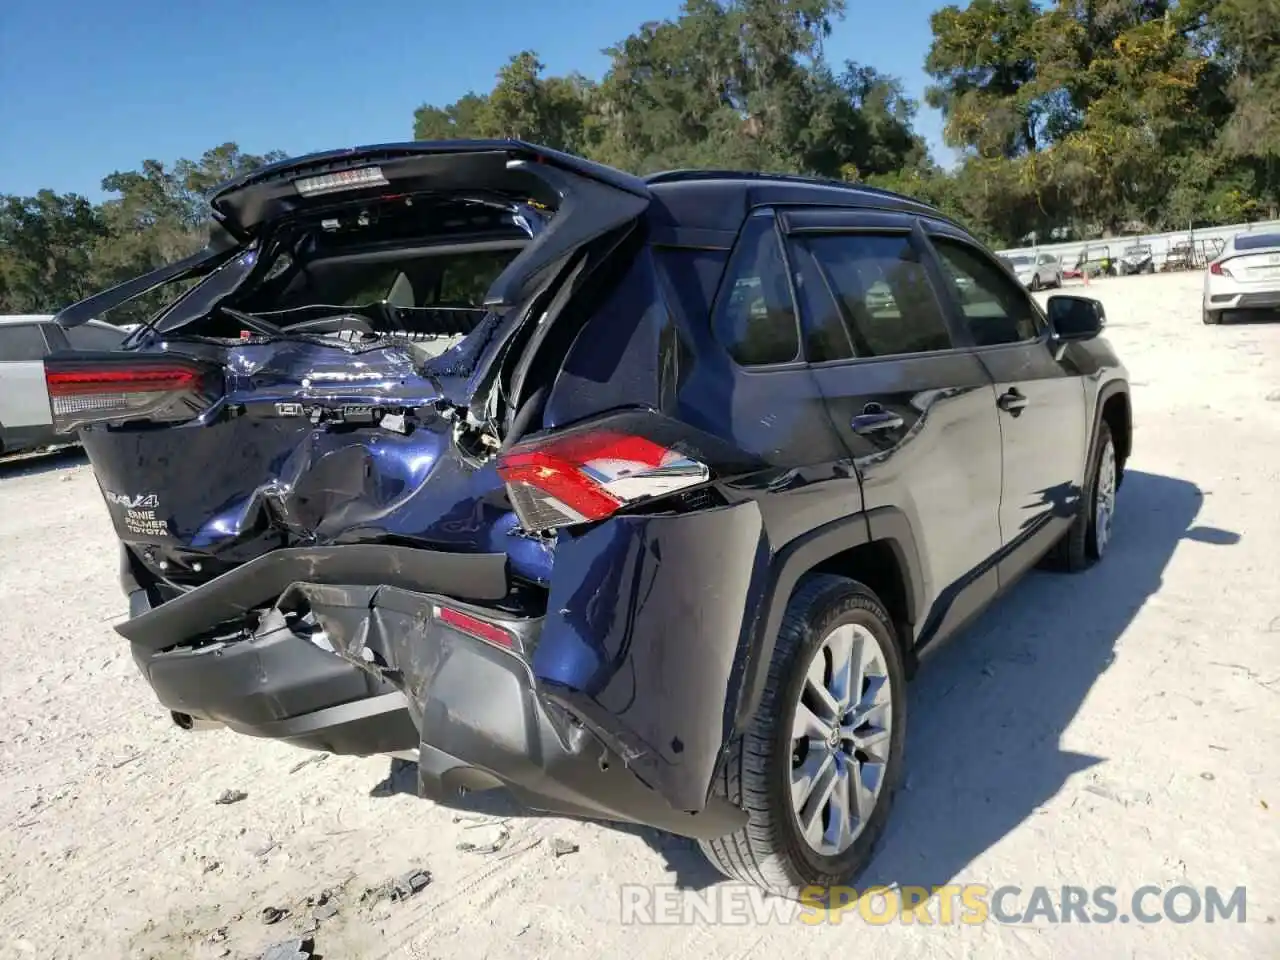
(758,177)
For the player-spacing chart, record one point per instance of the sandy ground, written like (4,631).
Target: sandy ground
(1118,728)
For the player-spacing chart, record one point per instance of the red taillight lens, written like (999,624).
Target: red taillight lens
(73,383)
(1218,270)
(475,627)
(84,390)
(589,476)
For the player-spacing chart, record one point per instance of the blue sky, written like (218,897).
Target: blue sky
(91,87)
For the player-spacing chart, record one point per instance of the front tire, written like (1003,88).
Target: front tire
(818,765)
(1035,283)
(1089,536)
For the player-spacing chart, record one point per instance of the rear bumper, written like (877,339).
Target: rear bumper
(484,720)
(278,685)
(282,688)
(1240,300)
(615,704)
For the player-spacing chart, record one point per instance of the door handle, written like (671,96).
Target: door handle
(875,419)
(1011,401)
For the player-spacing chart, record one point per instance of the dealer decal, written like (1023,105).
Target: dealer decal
(139,517)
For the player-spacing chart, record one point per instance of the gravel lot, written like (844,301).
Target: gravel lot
(1108,729)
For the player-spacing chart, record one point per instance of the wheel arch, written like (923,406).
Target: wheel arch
(1114,409)
(888,563)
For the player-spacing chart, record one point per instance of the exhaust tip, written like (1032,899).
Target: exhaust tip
(184,721)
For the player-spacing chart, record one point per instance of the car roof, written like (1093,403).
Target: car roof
(720,199)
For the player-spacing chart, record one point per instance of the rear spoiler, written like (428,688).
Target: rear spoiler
(589,200)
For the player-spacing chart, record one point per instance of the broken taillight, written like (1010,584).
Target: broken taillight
(587,476)
(86,389)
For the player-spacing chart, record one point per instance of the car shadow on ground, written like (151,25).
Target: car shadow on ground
(41,461)
(1004,691)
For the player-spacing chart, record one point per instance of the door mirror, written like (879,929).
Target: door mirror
(1076,318)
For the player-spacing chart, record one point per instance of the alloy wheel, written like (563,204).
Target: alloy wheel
(1105,498)
(840,739)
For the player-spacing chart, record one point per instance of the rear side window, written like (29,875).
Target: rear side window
(996,309)
(867,295)
(755,318)
(94,338)
(21,342)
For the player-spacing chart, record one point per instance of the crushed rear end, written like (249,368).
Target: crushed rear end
(444,518)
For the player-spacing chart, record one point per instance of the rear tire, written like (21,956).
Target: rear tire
(769,771)
(1211,317)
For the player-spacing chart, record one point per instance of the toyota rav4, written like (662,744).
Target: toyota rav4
(640,498)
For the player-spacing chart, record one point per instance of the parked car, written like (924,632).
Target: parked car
(1036,271)
(1137,258)
(25,340)
(1244,276)
(660,532)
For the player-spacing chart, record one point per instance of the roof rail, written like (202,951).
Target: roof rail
(677,176)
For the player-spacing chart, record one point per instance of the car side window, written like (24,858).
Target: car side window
(755,318)
(21,342)
(866,295)
(94,338)
(995,308)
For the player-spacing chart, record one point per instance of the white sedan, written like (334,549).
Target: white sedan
(1244,276)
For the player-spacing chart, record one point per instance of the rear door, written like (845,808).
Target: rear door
(1041,399)
(914,406)
(24,405)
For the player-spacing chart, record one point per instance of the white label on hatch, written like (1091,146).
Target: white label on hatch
(139,515)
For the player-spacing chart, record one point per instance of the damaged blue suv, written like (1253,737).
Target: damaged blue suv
(640,498)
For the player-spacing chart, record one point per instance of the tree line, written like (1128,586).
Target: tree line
(1071,118)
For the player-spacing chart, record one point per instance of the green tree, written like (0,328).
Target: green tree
(44,255)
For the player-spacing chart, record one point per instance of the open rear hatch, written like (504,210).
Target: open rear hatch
(340,358)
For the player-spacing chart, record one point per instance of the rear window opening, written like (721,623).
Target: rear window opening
(410,267)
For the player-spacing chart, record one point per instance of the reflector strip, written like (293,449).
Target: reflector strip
(480,629)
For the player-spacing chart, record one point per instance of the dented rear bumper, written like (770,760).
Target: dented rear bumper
(615,703)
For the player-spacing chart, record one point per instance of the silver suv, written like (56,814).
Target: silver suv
(25,340)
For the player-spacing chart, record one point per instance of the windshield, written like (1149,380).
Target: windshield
(1019,261)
